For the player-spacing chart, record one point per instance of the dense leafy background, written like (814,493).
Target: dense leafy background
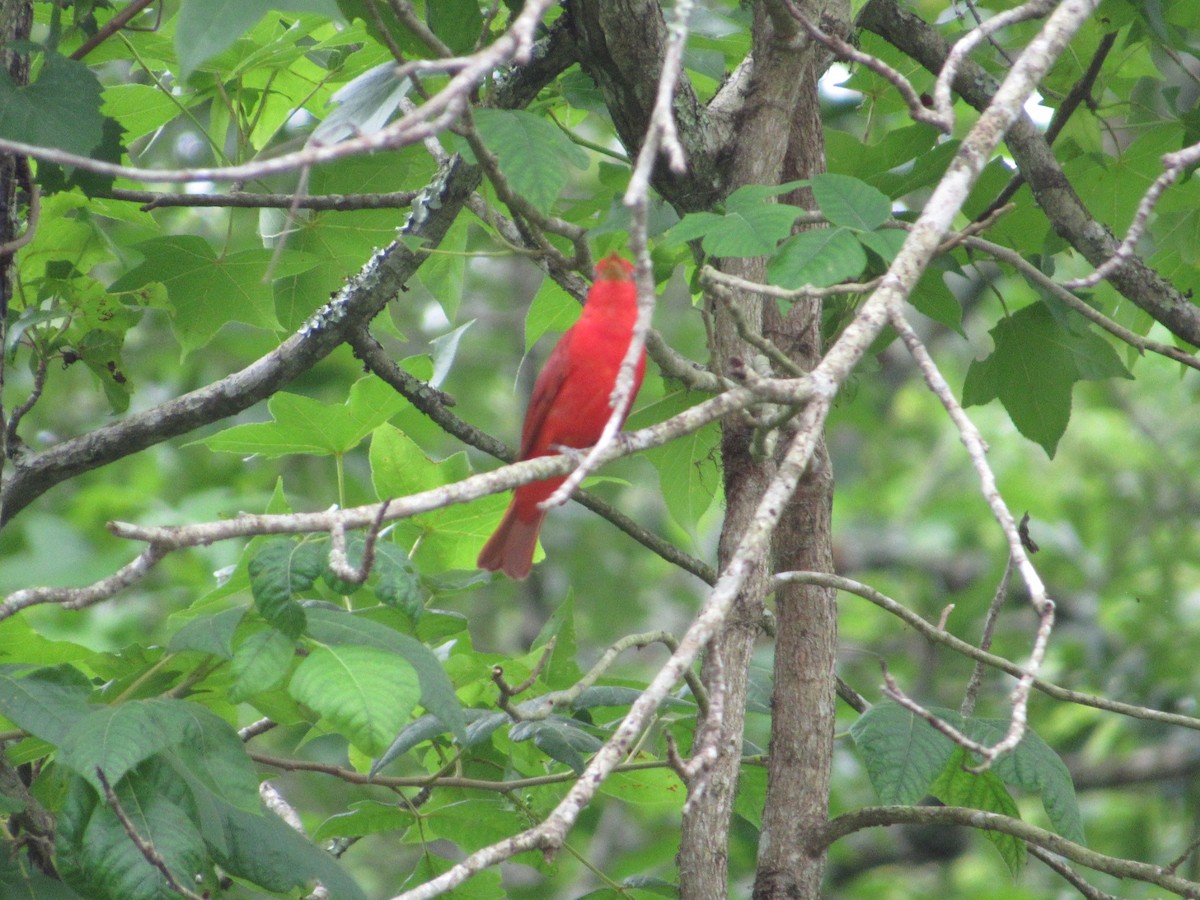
(128,307)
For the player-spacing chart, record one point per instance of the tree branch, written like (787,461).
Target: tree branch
(1137,282)
(877,816)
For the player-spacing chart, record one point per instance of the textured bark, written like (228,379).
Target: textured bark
(791,854)
(744,137)
(16,17)
(778,87)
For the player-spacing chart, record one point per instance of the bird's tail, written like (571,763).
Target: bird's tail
(510,548)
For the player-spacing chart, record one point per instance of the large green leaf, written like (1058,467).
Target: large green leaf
(280,569)
(96,856)
(821,257)
(206,27)
(261,662)
(437,693)
(115,739)
(60,108)
(301,425)
(850,202)
(533,154)
(267,852)
(955,786)
(207,291)
(1033,370)
(45,702)
(903,753)
(363,692)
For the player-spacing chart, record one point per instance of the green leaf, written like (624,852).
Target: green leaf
(559,738)
(208,292)
(532,153)
(903,753)
(1032,370)
(821,257)
(100,351)
(657,790)
(362,818)
(60,109)
(261,663)
(885,243)
(118,738)
(850,202)
(363,692)
(457,22)
(750,231)
(96,856)
(209,634)
(206,27)
(934,299)
(1033,766)
(214,758)
(688,468)
(301,425)
(985,790)
(449,537)
(437,693)
(444,273)
(45,702)
(561,670)
(445,349)
(552,309)
(399,585)
(278,571)
(266,851)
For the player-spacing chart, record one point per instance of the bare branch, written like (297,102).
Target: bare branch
(338,562)
(79,598)
(985,642)
(1174,165)
(943,103)
(144,845)
(937,635)
(846,51)
(977,450)
(246,200)
(877,816)
(432,117)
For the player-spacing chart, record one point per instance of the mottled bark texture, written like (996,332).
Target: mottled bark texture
(763,128)
(16,18)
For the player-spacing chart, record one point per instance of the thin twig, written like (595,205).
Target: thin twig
(39,383)
(339,564)
(985,642)
(143,845)
(976,450)
(1060,292)
(1174,165)
(31,221)
(111,27)
(507,691)
(877,816)
(1068,874)
(945,638)
(917,110)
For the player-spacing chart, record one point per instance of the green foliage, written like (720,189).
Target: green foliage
(907,758)
(383,696)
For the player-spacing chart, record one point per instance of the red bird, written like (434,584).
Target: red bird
(570,406)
